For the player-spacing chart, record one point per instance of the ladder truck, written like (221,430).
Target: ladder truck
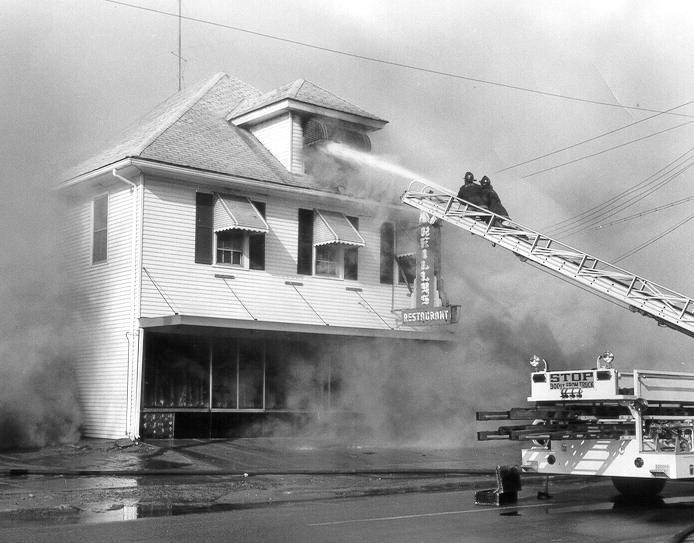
(636,427)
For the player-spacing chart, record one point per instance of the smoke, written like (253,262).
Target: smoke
(426,394)
(357,173)
(38,398)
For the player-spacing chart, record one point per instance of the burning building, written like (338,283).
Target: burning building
(222,278)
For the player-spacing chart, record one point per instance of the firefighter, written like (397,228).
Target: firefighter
(494,202)
(472,192)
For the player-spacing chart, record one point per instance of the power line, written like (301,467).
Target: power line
(633,200)
(643,213)
(393,63)
(584,214)
(653,239)
(592,139)
(604,150)
(627,198)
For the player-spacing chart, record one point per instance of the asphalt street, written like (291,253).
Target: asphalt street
(577,512)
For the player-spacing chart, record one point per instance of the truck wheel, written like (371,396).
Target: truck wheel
(636,487)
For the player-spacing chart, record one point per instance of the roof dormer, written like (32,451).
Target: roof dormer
(288,119)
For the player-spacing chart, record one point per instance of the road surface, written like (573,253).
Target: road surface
(577,512)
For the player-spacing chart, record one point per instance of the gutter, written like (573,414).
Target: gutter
(132,335)
(213,178)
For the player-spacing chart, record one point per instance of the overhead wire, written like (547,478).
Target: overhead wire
(632,200)
(609,132)
(582,216)
(643,213)
(538,172)
(652,240)
(394,63)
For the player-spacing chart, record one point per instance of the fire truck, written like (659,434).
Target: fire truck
(636,427)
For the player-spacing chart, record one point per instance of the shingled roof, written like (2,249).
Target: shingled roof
(301,91)
(190,129)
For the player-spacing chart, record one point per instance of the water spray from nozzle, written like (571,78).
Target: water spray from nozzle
(344,152)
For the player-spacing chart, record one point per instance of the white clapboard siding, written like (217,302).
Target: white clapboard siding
(276,136)
(102,301)
(177,285)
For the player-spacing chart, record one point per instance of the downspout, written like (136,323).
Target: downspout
(132,335)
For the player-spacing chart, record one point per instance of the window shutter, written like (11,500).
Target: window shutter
(351,255)
(204,212)
(256,244)
(304,260)
(387,252)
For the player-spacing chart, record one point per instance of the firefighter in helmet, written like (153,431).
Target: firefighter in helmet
(494,202)
(472,192)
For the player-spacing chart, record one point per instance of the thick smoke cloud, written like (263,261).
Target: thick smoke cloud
(38,393)
(421,393)
(414,393)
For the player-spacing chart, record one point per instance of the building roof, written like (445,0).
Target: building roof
(190,130)
(305,92)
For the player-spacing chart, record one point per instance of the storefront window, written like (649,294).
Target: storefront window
(176,371)
(224,376)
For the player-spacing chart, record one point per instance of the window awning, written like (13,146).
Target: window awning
(235,212)
(333,227)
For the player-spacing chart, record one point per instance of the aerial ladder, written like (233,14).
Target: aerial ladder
(634,426)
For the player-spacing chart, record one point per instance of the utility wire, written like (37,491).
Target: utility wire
(592,139)
(393,63)
(604,150)
(643,213)
(653,239)
(628,203)
(628,199)
(584,214)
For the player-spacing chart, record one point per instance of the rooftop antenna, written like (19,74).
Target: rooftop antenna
(180,58)
(179,46)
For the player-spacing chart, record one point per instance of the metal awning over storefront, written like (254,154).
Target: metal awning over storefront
(333,227)
(236,212)
(179,323)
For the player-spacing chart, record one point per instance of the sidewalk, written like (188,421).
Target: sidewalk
(103,478)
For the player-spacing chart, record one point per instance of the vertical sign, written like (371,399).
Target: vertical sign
(428,252)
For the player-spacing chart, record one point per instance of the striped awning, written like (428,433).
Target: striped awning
(333,227)
(236,212)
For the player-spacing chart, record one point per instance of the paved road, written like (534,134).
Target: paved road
(577,512)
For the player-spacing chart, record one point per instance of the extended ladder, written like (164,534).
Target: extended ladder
(669,308)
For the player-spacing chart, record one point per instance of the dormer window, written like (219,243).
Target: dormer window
(300,114)
(318,130)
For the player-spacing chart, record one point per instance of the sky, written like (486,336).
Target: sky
(481,86)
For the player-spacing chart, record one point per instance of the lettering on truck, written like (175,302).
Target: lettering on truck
(572,379)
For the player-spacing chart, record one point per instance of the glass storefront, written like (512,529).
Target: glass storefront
(187,372)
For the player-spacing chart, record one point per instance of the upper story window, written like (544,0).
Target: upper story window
(397,253)
(231,247)
(100,229)
(231,229)
(328,244)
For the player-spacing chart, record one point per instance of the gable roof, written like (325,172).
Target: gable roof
(301,91)
(191,130)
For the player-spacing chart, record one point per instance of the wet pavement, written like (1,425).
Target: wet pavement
(103,480)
